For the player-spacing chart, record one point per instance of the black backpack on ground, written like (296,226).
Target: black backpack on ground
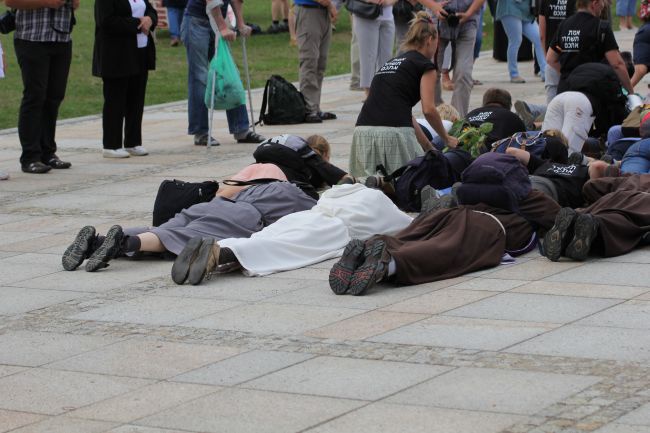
(282,103)
(175,195)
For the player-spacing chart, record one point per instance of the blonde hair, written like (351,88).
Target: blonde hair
(557,134)
(420,28)
(448,112)
(320,145)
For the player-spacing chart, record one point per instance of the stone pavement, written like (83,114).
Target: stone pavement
(530,347)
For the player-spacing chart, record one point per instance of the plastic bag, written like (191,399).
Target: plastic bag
(228,89)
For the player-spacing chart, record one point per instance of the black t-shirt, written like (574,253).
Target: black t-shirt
(555,11)
(582,38)
(322,172)
(504,122)
(567,178)
(394,90)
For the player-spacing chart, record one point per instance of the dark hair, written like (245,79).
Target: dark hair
(495,95)
(629,63)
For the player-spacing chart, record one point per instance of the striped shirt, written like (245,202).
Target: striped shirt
(45,24)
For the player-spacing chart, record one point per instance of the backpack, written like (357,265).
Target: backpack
(175,195)
(496,179)
(288,152)
(532,142)
(282,103)
(430,169)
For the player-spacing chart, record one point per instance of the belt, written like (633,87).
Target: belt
(313,6)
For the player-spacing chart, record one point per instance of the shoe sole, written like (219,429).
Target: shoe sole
(342,271)
(585,230)
(554,238)
(366,275)
(106,251)
(181,266)
(76,253)
(525,115)
(198,268)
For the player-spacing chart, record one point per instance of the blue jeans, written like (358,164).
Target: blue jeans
(174,19)
(625,8)
(514,28)
(637,158)
(198,38)
(479,33)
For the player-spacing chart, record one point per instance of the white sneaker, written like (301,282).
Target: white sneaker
(115,153)
(137,151)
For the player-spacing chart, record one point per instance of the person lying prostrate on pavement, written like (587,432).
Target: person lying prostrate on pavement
(497,104)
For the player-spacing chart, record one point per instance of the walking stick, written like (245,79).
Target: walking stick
(248,81)
(214,81)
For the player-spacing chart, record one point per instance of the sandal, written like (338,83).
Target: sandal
(36,168)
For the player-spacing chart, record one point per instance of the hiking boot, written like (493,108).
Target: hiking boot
(433,203)
(181,266)
(372,270)
(524,112)
(555,239)
(585,230)
(341,273)
(79,250)
(576,158)
(275,28)
(109,249)
(374,181)
(205,262)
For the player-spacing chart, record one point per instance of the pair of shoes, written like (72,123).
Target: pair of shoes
(477,82)
(202,140)
(284,26)
(524,112)
(115,153)
(36,167)
(585,230)
(313,118)
(199,258)
(275,28)
(556,239)
(447,84)
(341,273)
(136,151)
(373,269)
(174,42)
(56,163)
(251,137)
(326,115)
(355,88)
(517,80)
(433,203)
(79,250)
(109,249)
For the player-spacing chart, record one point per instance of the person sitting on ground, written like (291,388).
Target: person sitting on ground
(497,104)
(386,132)
(342,213)
(236,211)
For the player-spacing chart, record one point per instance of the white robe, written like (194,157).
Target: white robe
(343,212)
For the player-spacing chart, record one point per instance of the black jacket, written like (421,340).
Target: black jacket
(116,48)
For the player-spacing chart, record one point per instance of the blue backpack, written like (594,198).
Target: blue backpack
(533,142)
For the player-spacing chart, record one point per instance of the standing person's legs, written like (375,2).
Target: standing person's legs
(308,50)
(115,97)
(463,82)
(531,32)
(513,27)
(386,40)
(137,85)
(368,39)
(325,39)
(551,80)
(174,19)
(400,31)
(238,123)
(354,60)
(440,58)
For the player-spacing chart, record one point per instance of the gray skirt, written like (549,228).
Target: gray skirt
(389,146)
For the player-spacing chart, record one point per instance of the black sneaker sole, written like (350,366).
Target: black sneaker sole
(367,275)
(181,266)
(199,267)
(555,237)
(341,273)
(106,251)
(77,252)
(585,231)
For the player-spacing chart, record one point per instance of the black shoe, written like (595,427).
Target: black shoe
(313,118)
(109,249)
(56,163)
(202,140)
(576,158)
(372,270)
(205,262)
(275,28)
(251,137)
(181,266)
(341,273)
(585,230)
(374,181)
(556,238)
(523,111)
(326,115)
(79,250)
(36,168)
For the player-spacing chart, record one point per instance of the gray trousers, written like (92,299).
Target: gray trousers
(551,80)
(313,33)
(464,63)
(375,39)
(354,59)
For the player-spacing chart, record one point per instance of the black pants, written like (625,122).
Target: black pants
(44,67)
(123,106)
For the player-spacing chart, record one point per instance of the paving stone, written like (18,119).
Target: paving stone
(242,368)
(491,284)
(346,378)
(156,310)
(10,420)
(6,370)
(16,300)
(394,418)
(622,428)
(273,318)
(631,314)
(243,411)
(581,290)
(140,429)
(534,308)
(439,301)
(466,333)
(600,272)
(641,255)
(494,390)
(640,416)
(366,325)
(38,348)
(66,425)
(147,359)
(53,392)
